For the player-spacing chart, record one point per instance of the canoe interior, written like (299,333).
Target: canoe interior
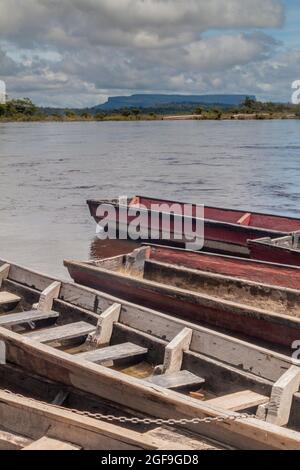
(122,334)
(252,270)
(268,221)
(143,267)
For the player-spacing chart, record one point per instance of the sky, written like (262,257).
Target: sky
(76,53)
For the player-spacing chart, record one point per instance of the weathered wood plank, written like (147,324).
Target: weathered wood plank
(4,272)
(174,351)
(279,407)
(48,295)
(48,443)
(114,353)
(8,300)
(13,441)
(21,318)
(105,326)
(60,333)
(182,379)
(173,439)
(239,401)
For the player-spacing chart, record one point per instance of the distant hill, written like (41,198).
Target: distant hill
(153,101)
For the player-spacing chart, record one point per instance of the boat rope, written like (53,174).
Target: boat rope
(146,421)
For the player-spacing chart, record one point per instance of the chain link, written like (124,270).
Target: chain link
(146,421)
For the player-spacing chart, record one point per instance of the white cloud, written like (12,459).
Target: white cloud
(76,52)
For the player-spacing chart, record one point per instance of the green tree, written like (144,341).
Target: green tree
(70,114)
(136,112)
(22,106)
(86,115)
(249,103)
(125,112)
(199,110)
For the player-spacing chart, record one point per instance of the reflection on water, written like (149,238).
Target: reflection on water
(49,170)
(108,248)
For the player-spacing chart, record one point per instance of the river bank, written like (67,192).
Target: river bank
(210,116)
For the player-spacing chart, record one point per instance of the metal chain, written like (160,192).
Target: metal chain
(147,421)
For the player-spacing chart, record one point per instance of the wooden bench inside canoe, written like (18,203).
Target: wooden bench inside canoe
(116,353)
(181,380)
(62,333)
(48,443)
(239,401)
(8,301)
(21,318)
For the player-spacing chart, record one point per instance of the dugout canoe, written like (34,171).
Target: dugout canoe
(40,335)
(255,311)
(284,250)
(225,230)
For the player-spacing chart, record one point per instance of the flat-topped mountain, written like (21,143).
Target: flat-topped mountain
(156,100)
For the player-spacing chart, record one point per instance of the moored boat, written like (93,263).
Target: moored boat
(82,338)
(225,230)
(285,250)
(241,307)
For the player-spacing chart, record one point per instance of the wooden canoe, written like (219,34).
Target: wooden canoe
(284,250)
(248,269)
(250,309)
(234,375)
(225,230)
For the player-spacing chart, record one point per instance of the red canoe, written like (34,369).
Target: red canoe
(285,250)
(225,230)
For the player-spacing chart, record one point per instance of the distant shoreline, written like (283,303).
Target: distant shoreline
(148,117)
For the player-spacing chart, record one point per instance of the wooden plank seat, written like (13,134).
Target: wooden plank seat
(62,333)
(114,353)
(12,441)
(48,443)
(8,301)
(180,380)
(239,401)
(13,319)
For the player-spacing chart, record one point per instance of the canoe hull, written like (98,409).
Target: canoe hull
(273,254)
(219,236)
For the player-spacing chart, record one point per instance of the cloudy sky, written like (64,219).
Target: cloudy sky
(79,52)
